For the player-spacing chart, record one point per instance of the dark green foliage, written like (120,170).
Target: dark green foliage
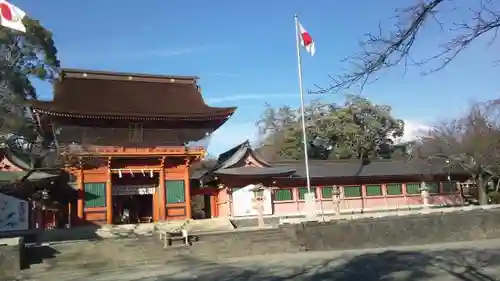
(357,129)
(23,57)
(494,197)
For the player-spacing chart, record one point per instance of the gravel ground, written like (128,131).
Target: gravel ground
(469,261)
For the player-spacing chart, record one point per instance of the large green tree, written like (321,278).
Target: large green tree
(23,56)
(356,129)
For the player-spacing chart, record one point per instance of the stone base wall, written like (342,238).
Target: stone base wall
(397,230)
(443,226)
(11,258)
(436,227)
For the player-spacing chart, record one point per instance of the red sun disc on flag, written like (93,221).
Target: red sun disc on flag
(307,39)
(6,12)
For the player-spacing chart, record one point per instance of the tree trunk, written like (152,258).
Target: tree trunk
(482,197)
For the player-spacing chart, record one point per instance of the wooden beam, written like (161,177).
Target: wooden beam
(136,169)
(179,151)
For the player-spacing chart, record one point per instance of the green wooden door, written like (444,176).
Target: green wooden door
(95,194)
(175,191)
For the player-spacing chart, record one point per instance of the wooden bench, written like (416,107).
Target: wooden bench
(168,237)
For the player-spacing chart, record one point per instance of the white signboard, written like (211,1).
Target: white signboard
(132,189)
(13,213)
(242,202)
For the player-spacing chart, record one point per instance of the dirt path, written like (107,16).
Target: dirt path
(469,261)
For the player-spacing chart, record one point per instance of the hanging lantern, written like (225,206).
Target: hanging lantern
(45,195)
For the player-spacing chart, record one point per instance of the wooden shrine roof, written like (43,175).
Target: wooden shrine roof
(234,156)
(229,164)
(256,171)
(19,175)
(229,161)
(28,184)
(341,170)
(87,93)
(368,168)
(18,159)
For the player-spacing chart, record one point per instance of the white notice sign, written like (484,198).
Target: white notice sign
(13,213)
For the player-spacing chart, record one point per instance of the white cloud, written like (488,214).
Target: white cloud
(138,53)
(413,130)
(225,74)
(171,52)
(236,97)
(134,53)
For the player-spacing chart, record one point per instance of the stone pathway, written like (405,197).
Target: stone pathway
(471,261)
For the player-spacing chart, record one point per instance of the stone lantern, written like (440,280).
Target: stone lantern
(336,199)
(258,203)
(424,194)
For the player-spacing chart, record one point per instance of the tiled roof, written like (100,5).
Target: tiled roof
(356,168)
(256,171)
(330,169)
(14,176)
(18,159)
(235,155)
(198,169)
(232,156)
(228,159)
(96,93)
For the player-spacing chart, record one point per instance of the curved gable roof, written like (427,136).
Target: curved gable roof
(236,154)
(233,156)
(100,93)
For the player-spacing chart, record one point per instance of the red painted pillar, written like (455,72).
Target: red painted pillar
(213,205)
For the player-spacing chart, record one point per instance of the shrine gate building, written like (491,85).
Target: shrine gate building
(128,140)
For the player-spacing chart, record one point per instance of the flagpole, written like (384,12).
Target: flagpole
(302,113)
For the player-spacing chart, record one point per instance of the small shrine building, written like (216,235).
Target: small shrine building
(31,198)
(339,186)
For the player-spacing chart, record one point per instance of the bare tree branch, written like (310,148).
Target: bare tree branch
(385,50)
(471,143)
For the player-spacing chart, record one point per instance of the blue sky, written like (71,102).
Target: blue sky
(244,52)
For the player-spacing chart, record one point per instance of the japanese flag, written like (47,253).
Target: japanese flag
(11,16)
(306,40)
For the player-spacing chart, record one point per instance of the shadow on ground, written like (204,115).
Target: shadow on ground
(37,255)
(466,265)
